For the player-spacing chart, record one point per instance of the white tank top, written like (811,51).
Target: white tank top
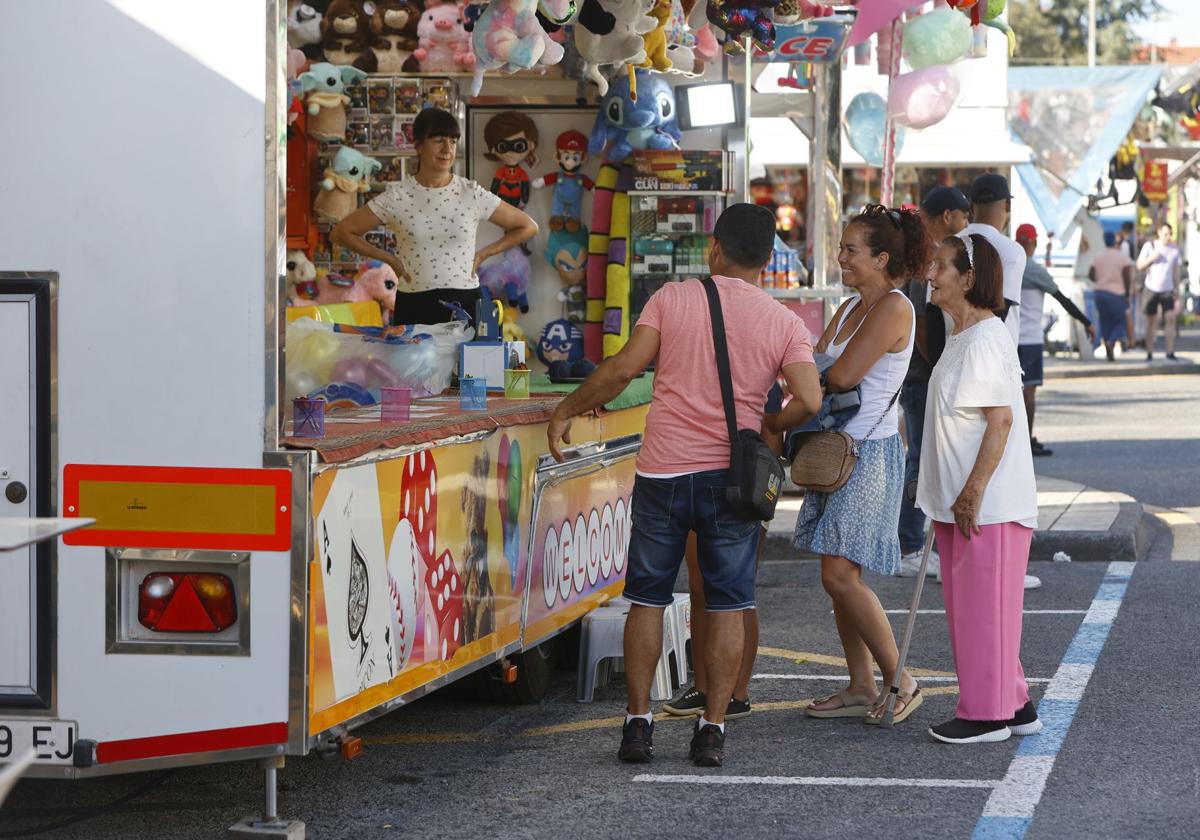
(881,382)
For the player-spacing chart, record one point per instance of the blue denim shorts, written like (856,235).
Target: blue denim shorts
(664,510)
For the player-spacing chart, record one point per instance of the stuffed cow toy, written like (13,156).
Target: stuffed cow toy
(611,33)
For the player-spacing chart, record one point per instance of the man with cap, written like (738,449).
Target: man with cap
(568,182)
(1036,282)
(944,212)
(991,203)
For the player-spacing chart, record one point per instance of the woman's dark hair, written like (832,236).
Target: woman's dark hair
(434,122)
(898,233)
(988,291)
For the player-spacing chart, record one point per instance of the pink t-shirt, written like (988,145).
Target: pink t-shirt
(686,430)
(1109,266)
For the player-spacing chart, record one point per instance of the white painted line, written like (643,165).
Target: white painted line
(1120,568)
(1102,612)
(819,781)
(1019,792)
(843,677)
(1026,612)
(1069,682)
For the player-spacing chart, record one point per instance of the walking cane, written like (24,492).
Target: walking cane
(894,691)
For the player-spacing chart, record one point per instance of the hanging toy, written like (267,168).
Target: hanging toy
(623,124)
(655,41)
(349,175)
(739,18)
(923,97)
(866,117)
(508,37)
(987,12)
(443,46)
(326,98)
(940,37)
(566,210)
(507,278)
(610,33)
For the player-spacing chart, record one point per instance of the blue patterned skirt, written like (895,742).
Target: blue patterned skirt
(859,521)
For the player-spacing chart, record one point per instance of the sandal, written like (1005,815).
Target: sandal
(852,707)
(910,703)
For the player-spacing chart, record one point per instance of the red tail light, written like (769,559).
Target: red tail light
(186,602)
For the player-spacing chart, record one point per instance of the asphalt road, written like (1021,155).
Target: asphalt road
(1128,767)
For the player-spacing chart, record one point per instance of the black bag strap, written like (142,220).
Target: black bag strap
(724,376)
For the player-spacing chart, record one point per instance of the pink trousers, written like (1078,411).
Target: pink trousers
(983,582)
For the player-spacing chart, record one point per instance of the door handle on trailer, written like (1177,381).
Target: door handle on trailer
(16,492)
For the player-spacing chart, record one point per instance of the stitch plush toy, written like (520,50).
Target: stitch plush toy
(346,35)
(326,100)
(739,18)
(648,123)
(394,34)
(610,32)
(341,183)
(569,183)
(507,278)
(444,45)
(508,37)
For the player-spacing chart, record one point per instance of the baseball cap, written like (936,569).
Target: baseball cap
(1027,233)
(989,188)
(571,141)
(940,199)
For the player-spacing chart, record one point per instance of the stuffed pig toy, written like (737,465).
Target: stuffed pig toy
(326,99)
(443,45)
(342,182)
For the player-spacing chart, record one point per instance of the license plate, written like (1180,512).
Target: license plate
(53,741)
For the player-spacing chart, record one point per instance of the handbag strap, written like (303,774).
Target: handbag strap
(724,376)
(891,402)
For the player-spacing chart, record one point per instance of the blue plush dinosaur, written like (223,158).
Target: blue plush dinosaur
(645,123)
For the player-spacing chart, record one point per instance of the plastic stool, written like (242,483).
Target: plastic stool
(602,638)
(681,623)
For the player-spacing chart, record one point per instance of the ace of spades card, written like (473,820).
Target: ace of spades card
(354,568)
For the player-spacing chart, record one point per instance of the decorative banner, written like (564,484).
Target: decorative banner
(874,16)
(1154,180)
(818,41)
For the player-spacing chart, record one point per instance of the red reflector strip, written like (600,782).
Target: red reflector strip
(183,743)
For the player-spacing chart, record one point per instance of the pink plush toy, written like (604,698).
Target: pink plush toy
(443,45)
(375,281)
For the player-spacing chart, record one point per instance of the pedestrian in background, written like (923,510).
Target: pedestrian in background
(991,205)
(1112,276)
(944,213)
(1036,282)
(1161,261)
(854,528)
(682,479)
(977,484)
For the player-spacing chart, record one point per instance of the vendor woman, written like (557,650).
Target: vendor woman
(435,215)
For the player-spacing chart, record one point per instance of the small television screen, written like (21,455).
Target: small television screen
(707,105)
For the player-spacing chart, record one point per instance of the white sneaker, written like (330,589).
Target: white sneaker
(910,564)
(1033,582)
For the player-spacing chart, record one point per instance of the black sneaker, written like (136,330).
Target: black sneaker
(637,741)
(1149,357)
(691,702)
(1026,721)
(1038,448)
(708,745)
(737,709)
(1172,357)
(959,731)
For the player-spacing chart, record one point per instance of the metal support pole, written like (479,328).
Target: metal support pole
(271,806)
(747,95)
(1091,33)
(825,176)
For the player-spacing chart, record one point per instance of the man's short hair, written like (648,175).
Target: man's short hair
(746,233)
(1126,226)
(1110,239)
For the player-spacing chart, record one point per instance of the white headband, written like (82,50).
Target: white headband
(966,238)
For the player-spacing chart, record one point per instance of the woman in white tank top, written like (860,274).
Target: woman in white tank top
(871,338)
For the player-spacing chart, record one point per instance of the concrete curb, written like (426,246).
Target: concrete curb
(1104,369)
(1127,538)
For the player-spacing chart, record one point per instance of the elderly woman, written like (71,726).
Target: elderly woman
(976,483)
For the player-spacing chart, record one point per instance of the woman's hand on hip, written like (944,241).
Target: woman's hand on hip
(480,256)
(966,511)
(397,265)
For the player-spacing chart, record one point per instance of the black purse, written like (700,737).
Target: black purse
(756,472)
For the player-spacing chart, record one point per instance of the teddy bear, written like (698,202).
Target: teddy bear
(739,18)
(610,32)
(443,44)
(346,35)
(326,100)
(341,182)
(508,37)
(394,35)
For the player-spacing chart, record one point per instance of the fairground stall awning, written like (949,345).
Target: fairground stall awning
(1074,119)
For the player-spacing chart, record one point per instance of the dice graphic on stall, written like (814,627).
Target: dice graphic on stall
(443,608)
(418,500)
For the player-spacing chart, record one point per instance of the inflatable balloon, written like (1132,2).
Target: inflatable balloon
(314,353)
(866,116)
(923,97)
(940,37)
(352,370)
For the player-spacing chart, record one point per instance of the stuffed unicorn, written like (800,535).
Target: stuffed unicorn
(508,37)
(507,277)
(647,123)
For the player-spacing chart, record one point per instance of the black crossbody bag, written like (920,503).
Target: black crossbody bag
(755,472)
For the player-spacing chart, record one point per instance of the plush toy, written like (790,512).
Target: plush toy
(444,45)
(341,183)
(567,251)
(681,43)
(301,279)
(566,210)
(303,25)
(511,138)
(376,281)
(326,99)
(510,329)
(739,18)
(508,37)
(507,277)
(560,341)
(296,62)
(394,35)
(654,42)
(379,282)
(610,32)
(648,123)
(346,35)
(988,13)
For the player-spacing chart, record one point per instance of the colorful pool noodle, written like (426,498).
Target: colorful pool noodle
(597,265)
(616,287)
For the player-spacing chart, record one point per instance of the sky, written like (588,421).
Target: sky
(1177,22)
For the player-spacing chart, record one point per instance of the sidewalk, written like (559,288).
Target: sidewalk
(1083,522)
(1133,363)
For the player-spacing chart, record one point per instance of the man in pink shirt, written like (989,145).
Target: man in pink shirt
(682,468)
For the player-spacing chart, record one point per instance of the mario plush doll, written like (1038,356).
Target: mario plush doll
(569,183)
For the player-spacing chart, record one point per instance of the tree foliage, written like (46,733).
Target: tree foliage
(1056,32)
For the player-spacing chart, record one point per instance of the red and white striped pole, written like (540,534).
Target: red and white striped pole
(887,184)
